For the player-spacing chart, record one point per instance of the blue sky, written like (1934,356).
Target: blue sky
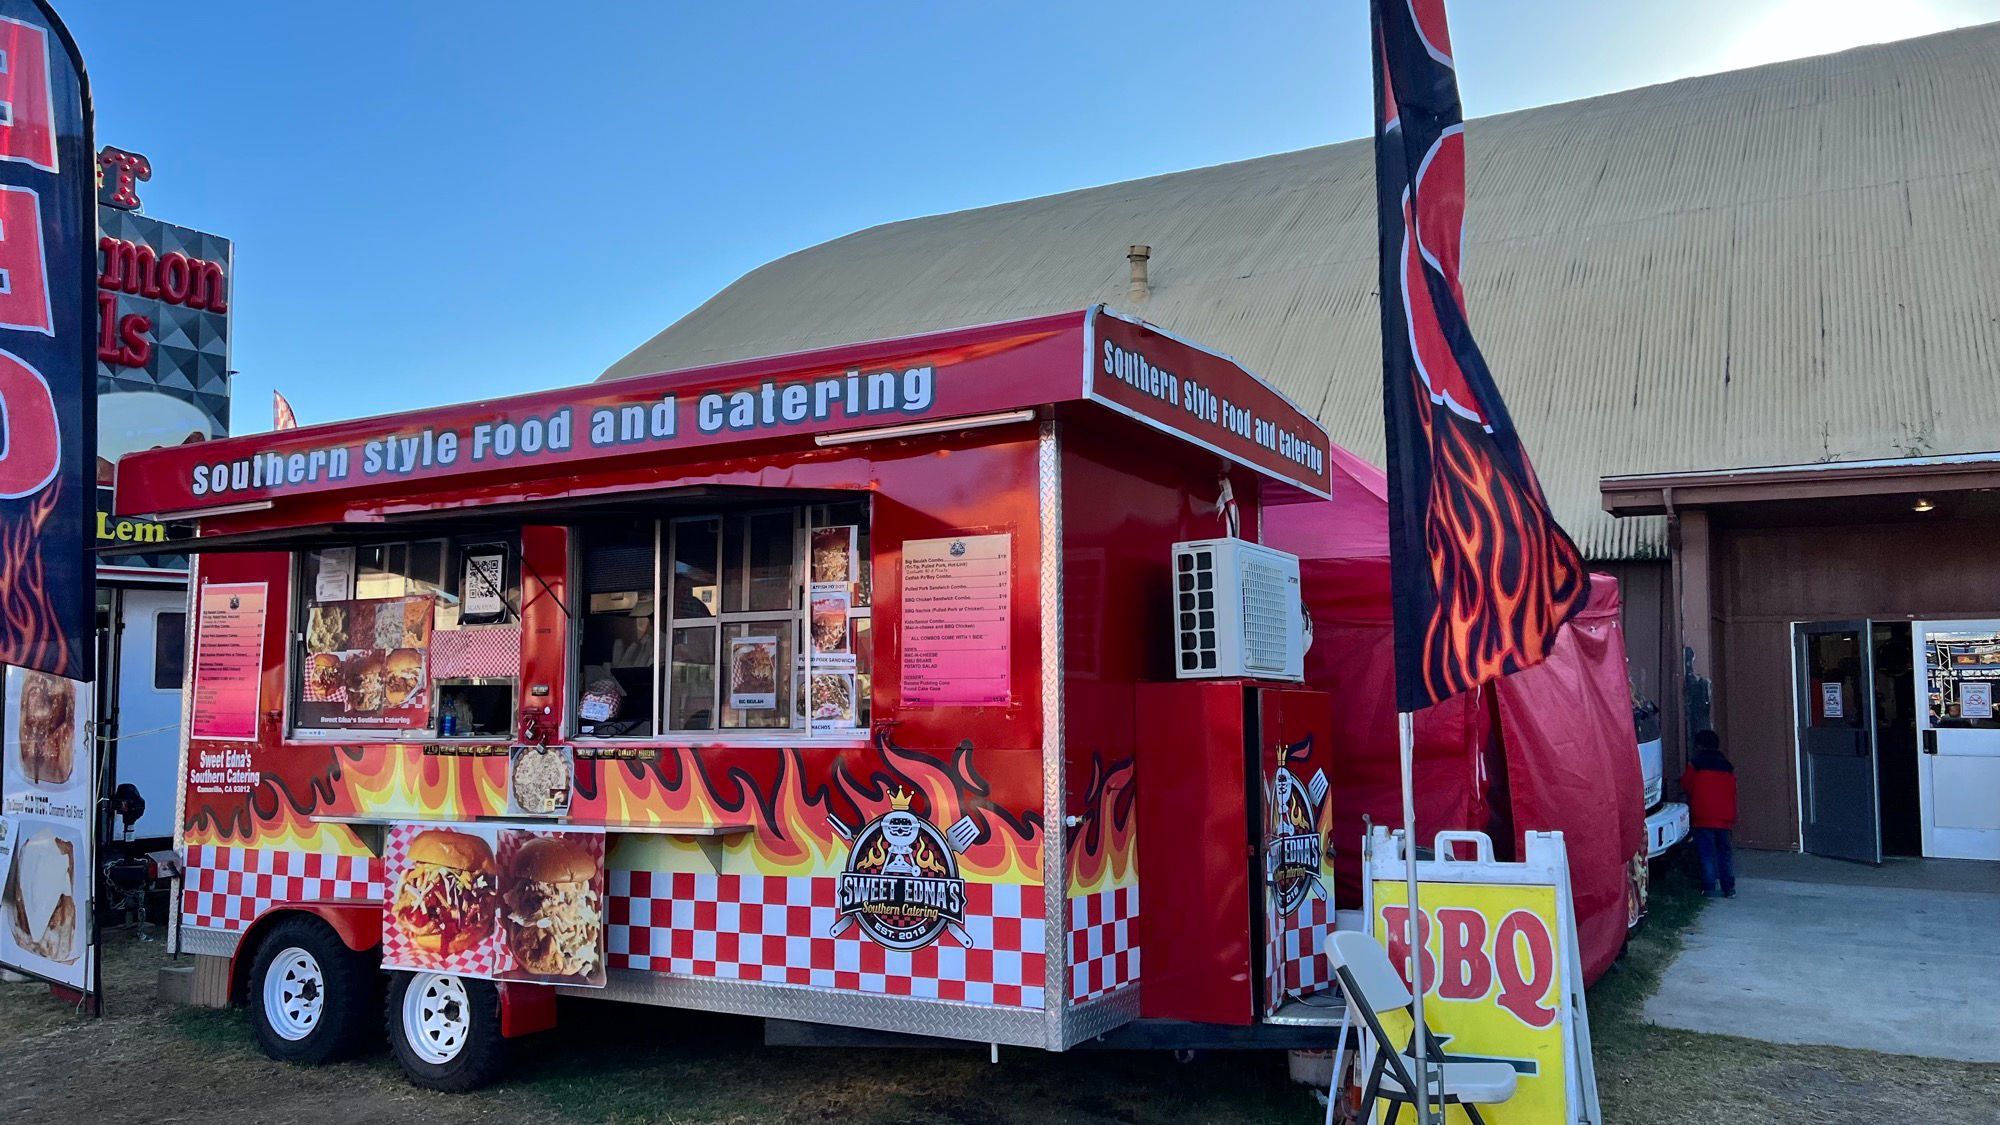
(445,200)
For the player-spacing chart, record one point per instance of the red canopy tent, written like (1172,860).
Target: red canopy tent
(1550,748)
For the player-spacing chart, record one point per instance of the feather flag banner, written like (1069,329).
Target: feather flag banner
(1483,575)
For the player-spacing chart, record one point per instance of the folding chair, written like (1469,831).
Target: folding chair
(1372,985)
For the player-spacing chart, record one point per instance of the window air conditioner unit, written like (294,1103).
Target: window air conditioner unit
(1237,612)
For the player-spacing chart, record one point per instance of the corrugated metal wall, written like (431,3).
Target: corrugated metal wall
(1794,263)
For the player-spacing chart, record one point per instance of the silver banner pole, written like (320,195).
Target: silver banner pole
(1406,736)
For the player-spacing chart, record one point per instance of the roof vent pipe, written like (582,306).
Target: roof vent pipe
(1137,256)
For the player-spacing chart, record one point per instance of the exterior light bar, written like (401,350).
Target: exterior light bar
(913,429)
(220,510)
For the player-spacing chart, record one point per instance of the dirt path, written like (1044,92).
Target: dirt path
(146,1062)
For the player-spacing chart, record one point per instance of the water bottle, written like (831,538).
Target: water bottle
(449,725)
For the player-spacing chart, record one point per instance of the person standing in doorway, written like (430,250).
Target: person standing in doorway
(1710,784)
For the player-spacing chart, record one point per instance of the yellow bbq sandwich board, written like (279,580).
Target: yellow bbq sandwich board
(1502,979)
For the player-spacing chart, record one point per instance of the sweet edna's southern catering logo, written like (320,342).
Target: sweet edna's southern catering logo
(901,884)
(1292,862)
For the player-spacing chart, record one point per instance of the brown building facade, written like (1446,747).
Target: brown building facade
(1842,618)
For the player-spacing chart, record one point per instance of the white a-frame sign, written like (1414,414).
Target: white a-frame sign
(1502,975)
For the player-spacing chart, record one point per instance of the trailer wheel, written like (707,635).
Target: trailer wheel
(310,995)
(445,1030)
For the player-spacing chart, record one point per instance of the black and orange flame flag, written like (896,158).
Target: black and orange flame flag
(1483,575)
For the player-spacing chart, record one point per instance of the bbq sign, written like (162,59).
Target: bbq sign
(901,885)
(48,186)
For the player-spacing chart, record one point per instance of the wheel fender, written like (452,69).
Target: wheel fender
(526,1008)
(358,925)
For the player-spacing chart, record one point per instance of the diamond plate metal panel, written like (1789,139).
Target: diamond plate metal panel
(208,941)
(1095,1017)
(1055,865)
(976,1023)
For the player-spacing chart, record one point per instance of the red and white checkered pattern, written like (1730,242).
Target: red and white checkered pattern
(228,888)
(1103,942)
(1303,947)
(778,928)
(476,651)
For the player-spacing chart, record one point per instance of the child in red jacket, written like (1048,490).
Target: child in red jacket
(1710,785)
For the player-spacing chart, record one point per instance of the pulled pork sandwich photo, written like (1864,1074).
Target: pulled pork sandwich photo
(552,917)
(48,728)
(447,899)
(367,682)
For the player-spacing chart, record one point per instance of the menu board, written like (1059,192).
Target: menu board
(957,621)
(500,903)
(45,828)
(365,665)
(229,661)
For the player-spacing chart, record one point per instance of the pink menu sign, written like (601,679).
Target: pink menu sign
(957,620)
(228,661)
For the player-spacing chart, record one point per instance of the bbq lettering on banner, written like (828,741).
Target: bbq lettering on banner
(47,347)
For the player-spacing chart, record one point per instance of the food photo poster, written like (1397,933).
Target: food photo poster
(365,665)
(45,804)
(498,903)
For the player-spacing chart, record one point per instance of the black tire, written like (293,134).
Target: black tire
(471,1060)
(344,982)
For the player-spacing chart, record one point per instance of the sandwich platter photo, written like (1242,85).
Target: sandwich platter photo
(495,902)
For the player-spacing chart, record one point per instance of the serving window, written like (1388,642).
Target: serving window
(410,638)
(752,622)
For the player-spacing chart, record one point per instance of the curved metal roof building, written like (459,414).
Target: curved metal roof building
(1791,264)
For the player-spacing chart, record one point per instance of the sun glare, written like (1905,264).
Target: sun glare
(1795,29)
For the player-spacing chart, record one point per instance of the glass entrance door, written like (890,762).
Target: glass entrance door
(1958,772)
(1839,809)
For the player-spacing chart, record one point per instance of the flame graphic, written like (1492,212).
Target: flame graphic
(30,624)
(1503,574)
(791,821)
(402,780)
(275,820)
(794,802)
(1101,849)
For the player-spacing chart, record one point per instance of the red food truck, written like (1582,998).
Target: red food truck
(917,686)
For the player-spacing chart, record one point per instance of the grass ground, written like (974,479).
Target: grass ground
(145,1062)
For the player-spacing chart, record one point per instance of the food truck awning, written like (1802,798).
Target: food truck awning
(940,382)
(506,518)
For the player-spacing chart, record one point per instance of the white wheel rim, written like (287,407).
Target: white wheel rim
(437,1017)
(294,993)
